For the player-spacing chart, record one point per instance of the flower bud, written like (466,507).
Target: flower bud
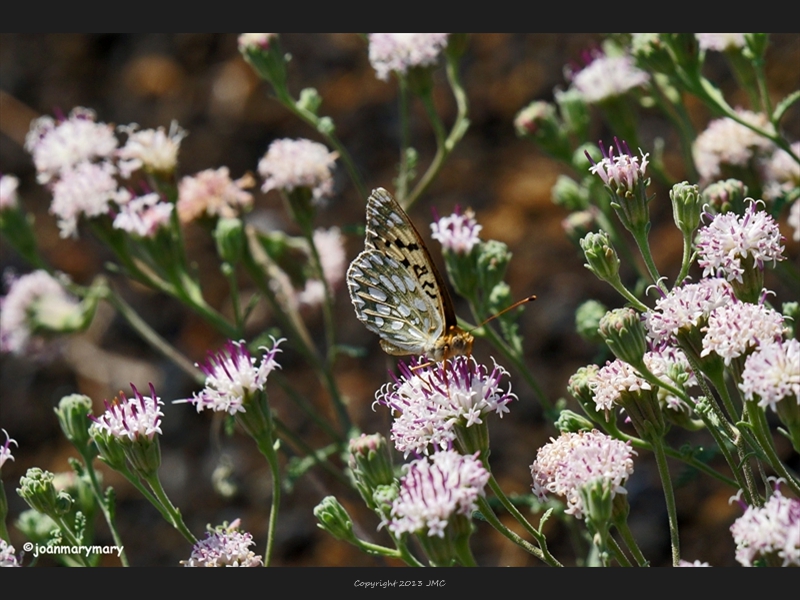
(587,320)
(73,416)
(333,518)
(570,194)
(37,489)
(229,237)
(686,207)
(624,334)
(571,422)
(725,196)
(601,258)
(371,464)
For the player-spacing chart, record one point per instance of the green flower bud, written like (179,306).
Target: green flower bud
(333,518)
(570,194)
(370,462)
(601,258)
(73,416)
(263,52)
(624,334)
(580,387)
(574,112)
(587,320)
(492,262)
(37,489)
(310,100)
(229,237)
(571,422)
(756,44)
(579,224)
(650,51)
(686,207)
(725,196)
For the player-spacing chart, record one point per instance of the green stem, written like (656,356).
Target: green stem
(492,519)
(267,448)
(639,443)
(318,456)
(618,553)
(623,291)
(259,267)
(404,175)
(72,539)
(444,146)
(102,500)
(327,305)
(679,117)
(686,260)
(630,543)
(149,335)
(669,497)
(514,358)
(644,248)
(173,514)
(512,510)
(762,433)
(310,118)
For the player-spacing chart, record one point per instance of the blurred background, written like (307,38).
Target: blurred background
(201,81)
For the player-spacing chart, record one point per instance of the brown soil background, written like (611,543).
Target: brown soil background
(201,81)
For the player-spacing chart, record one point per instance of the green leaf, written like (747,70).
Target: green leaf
(784,105)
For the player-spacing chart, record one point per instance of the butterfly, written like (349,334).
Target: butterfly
(397,291)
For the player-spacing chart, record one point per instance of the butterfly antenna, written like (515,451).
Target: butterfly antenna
(505,310)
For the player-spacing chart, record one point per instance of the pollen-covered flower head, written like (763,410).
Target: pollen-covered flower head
(794,219)
(330,246)
(720,41)
(86,190)
(781,173)
(401,51)
(154,150)
(686,307)
(8,557)
(35,303)
(131,418)
(5,449)
(213,193)
(613,379)
(290,164)
(144,216)
(225,546)
(729,243)
(430,400)
(574,460)
(621,172)
(735,328)
(434,489)
(607,77)
(728,142)
(769,530)
(232,375)
(261,41)
(8,192)
(458,232)
(59,145)
(772,374)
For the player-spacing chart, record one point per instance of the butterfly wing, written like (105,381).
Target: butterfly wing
(394,285)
